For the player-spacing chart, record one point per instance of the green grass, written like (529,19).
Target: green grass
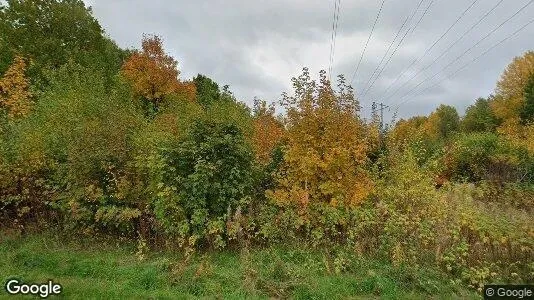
(90,269)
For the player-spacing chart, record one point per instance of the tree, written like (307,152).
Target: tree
(527,111)
(407,130)
(511,88)
(442,122)
(326,147)
(207,90)
(268,131)
(14,90)
(78,140)
(154,74)
(51,32)
(479,117)
(511,105)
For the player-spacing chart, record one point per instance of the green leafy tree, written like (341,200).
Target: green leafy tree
(484,156)
(78,137)
(230,110)
(51,32)
(443,122)
(207,90)
(449,120)
(479,117)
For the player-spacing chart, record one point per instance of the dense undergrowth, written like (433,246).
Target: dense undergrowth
(111,142)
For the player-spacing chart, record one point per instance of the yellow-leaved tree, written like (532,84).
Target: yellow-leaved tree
(406,131)
(510,100)
(326,146)
(511,87)
(14,90)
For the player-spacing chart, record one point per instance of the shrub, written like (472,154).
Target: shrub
(409,221)
(77,141)
(486,156)
(206,177)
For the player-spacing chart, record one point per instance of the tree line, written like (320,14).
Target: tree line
(95,139)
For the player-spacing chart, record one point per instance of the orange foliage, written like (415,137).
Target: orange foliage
(154,74)
(14,90)
(188,89)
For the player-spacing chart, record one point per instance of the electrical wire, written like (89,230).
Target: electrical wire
(468,63)
(367,42)
(469,49)
(431,47)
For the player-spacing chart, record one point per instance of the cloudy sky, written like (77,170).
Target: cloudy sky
(257,46)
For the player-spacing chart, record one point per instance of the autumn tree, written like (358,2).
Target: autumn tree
(511,88)
(479,117)
(14,90)
(268,131)
(187,90)
(326,146)
(442,122)
(407,130)
(154,74)
(527,111)
(511,101)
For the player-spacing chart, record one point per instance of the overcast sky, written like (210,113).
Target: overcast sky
(257,46)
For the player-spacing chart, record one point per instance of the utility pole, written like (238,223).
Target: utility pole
(381,130)
(382,107)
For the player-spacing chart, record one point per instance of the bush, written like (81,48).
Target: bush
(410,221)
(72,152)
(486,156)
(206,177)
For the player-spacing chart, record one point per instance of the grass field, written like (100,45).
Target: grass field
(91,269)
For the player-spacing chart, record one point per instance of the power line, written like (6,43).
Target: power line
(368,39)
(470,62)
(410,30)
(447,49)
(404,71)
(408,19)
(332,37)
(384,56)
(335,20)
(469,49)
(423,15)
(427,51)
(335,32)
